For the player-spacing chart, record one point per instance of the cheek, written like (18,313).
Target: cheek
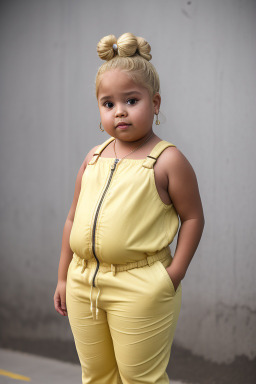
(107,119)
(103,113)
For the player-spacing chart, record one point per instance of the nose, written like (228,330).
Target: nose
(120,110)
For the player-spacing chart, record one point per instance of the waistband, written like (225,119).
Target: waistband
(163,255)
(114,268)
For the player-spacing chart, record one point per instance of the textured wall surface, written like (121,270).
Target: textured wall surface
(205,54)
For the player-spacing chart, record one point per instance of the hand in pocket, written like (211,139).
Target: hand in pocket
(174,278)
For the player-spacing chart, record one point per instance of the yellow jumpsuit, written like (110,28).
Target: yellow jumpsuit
(122,305)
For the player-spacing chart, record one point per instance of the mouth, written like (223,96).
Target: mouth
(122,125)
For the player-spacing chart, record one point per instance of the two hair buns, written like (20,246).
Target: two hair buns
(127,46)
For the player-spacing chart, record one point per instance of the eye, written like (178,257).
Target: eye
(108,104)
(132,101)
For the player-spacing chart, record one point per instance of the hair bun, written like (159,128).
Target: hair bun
(127,45)
(105,47)
(144,48)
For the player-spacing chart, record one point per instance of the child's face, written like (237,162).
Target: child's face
(122,100)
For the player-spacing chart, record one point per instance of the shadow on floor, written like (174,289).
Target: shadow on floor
(183,364)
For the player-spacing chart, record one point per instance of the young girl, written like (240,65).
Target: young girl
(117,280)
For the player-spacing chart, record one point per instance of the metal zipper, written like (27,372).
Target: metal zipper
(113,167)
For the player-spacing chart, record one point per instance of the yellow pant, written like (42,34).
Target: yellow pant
(123,326)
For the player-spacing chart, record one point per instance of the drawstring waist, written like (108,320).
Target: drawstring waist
(163,255)
(114,268)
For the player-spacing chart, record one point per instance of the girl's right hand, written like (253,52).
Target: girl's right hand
(59,298)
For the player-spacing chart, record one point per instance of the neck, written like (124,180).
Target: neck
(125,145)
(139,144)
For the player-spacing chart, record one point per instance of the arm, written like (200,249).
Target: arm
(66,253)
(184,193)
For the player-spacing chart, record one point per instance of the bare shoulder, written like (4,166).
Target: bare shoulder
(174,162)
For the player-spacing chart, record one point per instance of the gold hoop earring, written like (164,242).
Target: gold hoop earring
(102,129)
(157,122)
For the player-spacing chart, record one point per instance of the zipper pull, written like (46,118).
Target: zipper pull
(113,166)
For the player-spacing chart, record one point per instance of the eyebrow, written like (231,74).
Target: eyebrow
(125,94)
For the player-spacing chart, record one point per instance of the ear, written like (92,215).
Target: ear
(156,102)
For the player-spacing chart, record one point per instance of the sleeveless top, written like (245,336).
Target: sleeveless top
(120,217)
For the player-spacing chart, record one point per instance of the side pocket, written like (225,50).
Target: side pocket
(166,276)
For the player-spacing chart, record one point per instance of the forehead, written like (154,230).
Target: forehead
(116,81)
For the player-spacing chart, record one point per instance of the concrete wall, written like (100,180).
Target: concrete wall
(204,51)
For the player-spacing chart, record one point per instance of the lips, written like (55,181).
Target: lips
(122,124)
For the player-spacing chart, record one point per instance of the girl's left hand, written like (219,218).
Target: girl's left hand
(175,278)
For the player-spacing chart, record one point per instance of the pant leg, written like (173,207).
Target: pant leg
(142,312)
(92,338)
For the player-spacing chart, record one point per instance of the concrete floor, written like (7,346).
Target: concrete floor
(39,370)
(51,361)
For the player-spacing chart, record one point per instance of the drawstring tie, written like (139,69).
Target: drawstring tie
(84,265)
(97,309)
(96,303)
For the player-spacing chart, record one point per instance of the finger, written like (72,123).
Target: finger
(61,307)
(63,301)
(60,304)
(60,310)
(63,304)
(57,305)
(56,300)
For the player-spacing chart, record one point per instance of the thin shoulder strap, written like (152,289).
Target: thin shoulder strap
(155,153)
(99,150)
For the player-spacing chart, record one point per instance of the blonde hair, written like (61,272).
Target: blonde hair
(131,54)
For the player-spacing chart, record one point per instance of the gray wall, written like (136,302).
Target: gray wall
(204,51)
